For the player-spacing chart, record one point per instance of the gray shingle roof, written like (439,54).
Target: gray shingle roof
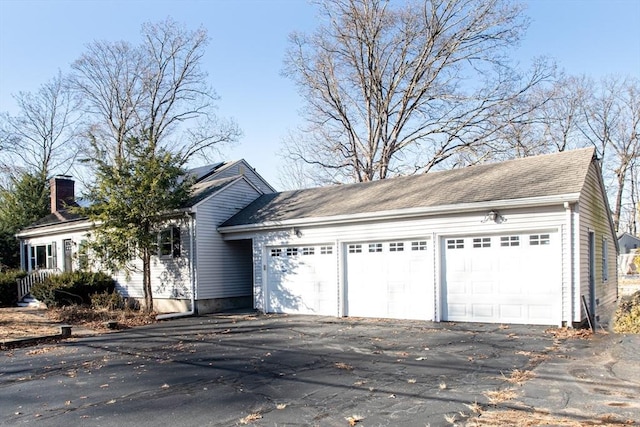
(202,190)
(538,176)
(199,191)
(60,216)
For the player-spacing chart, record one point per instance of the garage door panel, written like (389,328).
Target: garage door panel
(482,288)
(389,279)
(302,280)
(505,279)
(512,311)
(483,311)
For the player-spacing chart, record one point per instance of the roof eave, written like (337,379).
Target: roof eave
(406,213)
(60,227)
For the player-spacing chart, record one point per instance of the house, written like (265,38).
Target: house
(527,241)
(195,269)
(628,243)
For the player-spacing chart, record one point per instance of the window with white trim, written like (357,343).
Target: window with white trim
(455,243)
(539,239)
(169,243)
(308,251)
(510,241)
(375,247)
(326,250)
(605,266)
(292,251)
(276,252)
(419,245)
(43,256)
(396,247)
(355,249)
(482,242)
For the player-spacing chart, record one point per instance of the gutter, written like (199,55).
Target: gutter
(78,224)
(404,213)
(192,268)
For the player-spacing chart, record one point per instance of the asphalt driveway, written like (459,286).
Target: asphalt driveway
(271,371)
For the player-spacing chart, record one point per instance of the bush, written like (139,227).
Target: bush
(627,319)
(107,301)
(9,287)
(74,288)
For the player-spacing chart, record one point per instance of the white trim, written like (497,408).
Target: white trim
(231,163)
(63,227)
(405,213)
(569,263)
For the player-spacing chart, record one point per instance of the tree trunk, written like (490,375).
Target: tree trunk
(146,280)
(620,176)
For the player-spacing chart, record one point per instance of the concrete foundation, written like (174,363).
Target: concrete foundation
(204,306)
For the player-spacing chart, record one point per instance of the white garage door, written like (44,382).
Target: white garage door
(302,280)
(512,278)
(390,279)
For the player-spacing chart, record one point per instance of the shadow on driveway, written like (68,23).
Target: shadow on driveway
(271,370)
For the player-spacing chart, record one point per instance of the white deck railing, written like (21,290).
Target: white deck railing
(25,284)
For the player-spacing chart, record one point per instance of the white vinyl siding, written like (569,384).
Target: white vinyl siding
(593,216)
(224,267)
(170,276)
(51,249)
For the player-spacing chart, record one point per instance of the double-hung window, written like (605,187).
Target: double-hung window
(169,245)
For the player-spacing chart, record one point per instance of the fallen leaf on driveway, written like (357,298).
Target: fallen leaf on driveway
(342,365)
(354,419)
(250,418)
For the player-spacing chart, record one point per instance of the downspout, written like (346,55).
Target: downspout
(570,265)
(192,271)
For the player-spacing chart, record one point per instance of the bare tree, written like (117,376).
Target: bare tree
(150,110)
(612,124)
(40,139)
(398,88)
(156,91)
(107,79)
(560,114)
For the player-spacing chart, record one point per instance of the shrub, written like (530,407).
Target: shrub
(107,301)
(628,315)
(9,287)
(73,288)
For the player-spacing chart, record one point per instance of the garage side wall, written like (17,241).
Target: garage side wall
(595,217)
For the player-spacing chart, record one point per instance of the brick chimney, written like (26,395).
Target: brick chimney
(62,192)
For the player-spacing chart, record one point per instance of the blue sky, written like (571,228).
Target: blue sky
(248,41)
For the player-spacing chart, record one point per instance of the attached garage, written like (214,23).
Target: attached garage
(513,278)
(302,280)
(495,243)
(390,279)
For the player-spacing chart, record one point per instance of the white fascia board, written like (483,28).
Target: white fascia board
(65,227)
(407,213)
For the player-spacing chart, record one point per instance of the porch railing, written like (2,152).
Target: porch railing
(25,284)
